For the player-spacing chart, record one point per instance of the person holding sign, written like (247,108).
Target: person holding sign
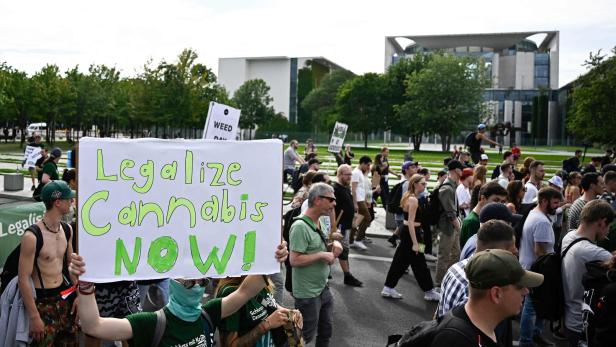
(184,322)
(36,144)
(410,251)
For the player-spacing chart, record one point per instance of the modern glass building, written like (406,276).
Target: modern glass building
(523,68)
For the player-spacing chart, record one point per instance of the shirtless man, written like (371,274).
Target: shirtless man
(51,313)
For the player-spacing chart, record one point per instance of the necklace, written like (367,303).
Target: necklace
(57,232)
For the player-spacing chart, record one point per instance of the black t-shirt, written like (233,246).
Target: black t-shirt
(344,202)
(450,336)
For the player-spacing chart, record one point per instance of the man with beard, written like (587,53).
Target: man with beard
(534,183)
(537,240)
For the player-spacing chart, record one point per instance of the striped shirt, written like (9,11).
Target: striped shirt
(454,289)
(575,210)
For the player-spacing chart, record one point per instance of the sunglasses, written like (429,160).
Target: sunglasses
(191,283)
(329,198)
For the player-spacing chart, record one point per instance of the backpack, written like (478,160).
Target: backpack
(433,212)
(11,266)
(599,303)
(422,333)
(395,196)
(549,298)
(470,141)
(286,229)
(161,325)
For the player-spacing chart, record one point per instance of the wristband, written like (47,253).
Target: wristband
(86,288)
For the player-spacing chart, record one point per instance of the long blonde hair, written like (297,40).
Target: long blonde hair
(480,174)
(416,178)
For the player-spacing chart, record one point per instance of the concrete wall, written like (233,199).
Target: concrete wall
(553,123)
(390,49)
(525,70)
(517,120)
(496,71)
(554,47)
(231,73)
(506,71)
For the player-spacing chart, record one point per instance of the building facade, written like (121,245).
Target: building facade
(282,74)
(523,70)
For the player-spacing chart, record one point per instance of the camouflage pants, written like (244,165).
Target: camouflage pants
(60,328)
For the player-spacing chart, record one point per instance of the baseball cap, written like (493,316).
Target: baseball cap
(498,211)
(557,181)
(314,161)
(56,152)
(454,164)
(467,172)
(498,268)
(408,164)
(481,126)
(56,190)
(484,157)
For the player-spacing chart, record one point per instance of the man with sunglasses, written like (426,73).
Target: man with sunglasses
(311,255)
(185,325)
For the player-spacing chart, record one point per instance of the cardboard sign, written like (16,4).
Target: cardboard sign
(338,135)
(221,123)
(151,208)
(31,155)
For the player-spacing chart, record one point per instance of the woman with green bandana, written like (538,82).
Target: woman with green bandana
(184,323)
(259,323)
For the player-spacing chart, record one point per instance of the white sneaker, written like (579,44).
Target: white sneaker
(430,257)
(432,295)
(390,293)
(359,245)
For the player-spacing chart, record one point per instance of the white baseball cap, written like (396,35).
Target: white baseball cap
(484,157)
(557,181)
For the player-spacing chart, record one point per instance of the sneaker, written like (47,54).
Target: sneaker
(358,245)
(430,258)
(393,240)
(432,295)
(349,280)
(390,293)
(541,341)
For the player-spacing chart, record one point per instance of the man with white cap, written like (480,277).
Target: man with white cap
(484,159)
(473,142)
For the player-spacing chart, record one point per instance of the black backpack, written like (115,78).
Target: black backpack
(549,297)
(11,266)
(394,199)
(422,333)
(434,210)
(598,310)
(286,229)
(470,141)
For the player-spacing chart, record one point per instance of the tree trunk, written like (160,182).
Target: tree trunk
(445,142)
(365,133)
(416,142)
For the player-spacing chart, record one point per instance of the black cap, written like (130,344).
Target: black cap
(314,161)
(495,210)
(454,164)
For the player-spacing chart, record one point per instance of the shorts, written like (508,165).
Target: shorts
(345,244)
(118,300)
(55,312)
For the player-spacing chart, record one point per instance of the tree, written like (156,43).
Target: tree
(254,100)
(446,95)
(51,94)
(594,101)
(399,116)
(360,104)
(321,101)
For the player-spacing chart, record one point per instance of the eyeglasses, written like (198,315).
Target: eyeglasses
(191,283)
(329,198)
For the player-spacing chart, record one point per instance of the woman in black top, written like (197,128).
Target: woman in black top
(409,251)
(348,155)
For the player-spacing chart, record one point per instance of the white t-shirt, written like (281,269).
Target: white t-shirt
(573,269)
(464,197)
(537,228)
(358,177)
(531,193)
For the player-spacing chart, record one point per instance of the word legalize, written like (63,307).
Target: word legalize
(168,209)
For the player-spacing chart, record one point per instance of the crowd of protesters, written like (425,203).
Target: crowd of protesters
(485,231)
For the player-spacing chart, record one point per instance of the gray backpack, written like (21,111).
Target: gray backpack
(161,324)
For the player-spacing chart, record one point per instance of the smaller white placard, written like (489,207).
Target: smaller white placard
(338,135)
(221,123)
(31,155)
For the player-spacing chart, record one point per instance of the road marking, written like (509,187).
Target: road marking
(370,257)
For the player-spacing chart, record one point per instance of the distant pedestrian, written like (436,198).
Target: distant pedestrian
(473,142)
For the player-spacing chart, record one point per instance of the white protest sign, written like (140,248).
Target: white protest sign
(151,208)
(31,155)
(221,122)
(338,135)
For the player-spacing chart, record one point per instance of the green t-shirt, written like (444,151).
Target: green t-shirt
(470,226)
(178,333)
(50,168)
(309,280)
(250,315)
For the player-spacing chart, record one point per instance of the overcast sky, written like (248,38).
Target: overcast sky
(127,33)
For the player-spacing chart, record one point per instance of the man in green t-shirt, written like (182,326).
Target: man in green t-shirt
(184,324)
(310,259)
(489,192)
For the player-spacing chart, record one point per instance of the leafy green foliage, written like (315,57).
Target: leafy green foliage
(594,101)
(321,101)
(254,100)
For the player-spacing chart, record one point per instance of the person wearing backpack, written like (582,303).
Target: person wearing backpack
(538,239)
(595,218)
(409,168)
(51,312)
(599,311)
(182,320)
(448,225)
(473,142)
(497,287)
